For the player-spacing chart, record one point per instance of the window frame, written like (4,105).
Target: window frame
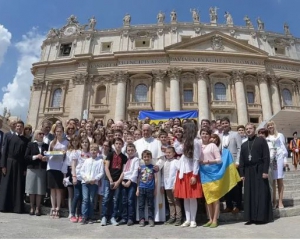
(54,98)
(215,92)
(136,95)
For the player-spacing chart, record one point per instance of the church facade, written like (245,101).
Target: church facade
(241,72)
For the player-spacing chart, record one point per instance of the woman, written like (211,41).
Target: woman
(177,122)
(82,133)
(36,171)
(89,131)
(178,143)
(295,147)
(109,123)
(210,155)
(57,169)
(70,131)
(28,131)
(279,160)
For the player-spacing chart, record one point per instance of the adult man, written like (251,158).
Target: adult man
(119,125)
(13,169)
(147,142)
(254,167)
(232,141)
(219,128)
(46,127)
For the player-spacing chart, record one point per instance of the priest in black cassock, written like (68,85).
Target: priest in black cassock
(254,168)
(13,166)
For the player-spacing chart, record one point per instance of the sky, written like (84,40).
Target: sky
(24,25)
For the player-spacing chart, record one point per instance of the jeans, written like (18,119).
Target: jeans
(88,193)
(128,202)
(110,196)
(146,195)
(77,199)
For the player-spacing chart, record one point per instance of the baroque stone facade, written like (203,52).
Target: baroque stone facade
(218,69)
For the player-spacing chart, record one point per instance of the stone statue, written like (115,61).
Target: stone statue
(195,15)
(248,22)
(213,14)
(72,20)
(92,23)
(160,17)
(286,29)
(228,17)
(173,16)
(126,20)
(7,115)
(260,24)
(4,111)
(53,33)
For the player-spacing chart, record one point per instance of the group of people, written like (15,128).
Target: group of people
(139,171)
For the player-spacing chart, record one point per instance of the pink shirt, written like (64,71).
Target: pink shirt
(210,152)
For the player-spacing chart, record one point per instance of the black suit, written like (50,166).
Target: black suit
(1,143)
(32,150)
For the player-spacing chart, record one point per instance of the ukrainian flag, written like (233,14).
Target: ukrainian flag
(157,116)
(219,179)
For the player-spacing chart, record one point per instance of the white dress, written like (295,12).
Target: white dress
(278,154)
(154,146)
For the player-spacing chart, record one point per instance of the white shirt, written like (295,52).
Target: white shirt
(131,169)
(169,173)
(151,144)
(58,162)
(225,141)
(92,169)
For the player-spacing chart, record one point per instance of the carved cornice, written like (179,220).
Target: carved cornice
(138,34)
(174,72)
(273,79)
(238,75)
(81,78)
(201,73)
(102,79)
(120,76)
(262,77)
(159,75)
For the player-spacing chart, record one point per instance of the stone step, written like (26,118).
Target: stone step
(288,181)
(290,194)
(291,187)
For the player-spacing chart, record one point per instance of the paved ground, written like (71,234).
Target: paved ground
(25,226)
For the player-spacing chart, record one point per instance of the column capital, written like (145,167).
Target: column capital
(273,78)
(81,78)
(201,73)
(174,72)
(238,75)
(159,75)
(120,76)
(261,77)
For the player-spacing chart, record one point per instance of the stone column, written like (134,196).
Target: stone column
(159,90)
(241,103)
(264,94)
(120,109)
(203,107)
(174,74)
(275,94)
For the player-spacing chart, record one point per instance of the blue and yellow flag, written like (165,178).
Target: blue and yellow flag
(157,116)
(219,179)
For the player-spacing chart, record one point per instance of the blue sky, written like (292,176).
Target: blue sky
(23,25)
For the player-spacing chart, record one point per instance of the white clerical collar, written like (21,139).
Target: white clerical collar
(148,139)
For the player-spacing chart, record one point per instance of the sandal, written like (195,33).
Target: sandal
(38,211)
(57,214)
(52,213)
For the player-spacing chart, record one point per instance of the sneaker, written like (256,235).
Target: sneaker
(170,221)
(84,221)
(177,222)
(122,222)
(130,222)
(151,223)
(193,224)
(70,215)
(79,219)
(90,221)
(73,219)
(186,224)
(114,222)
(142,223)
(103,221)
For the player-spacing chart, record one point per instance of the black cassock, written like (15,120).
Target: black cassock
(257,195)
(13,183)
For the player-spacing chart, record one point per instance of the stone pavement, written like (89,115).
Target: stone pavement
(25,226)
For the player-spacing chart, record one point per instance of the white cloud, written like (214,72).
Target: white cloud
(17,92)
(5,37)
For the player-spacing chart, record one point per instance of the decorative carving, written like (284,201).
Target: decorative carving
(160,31)
(159,75)
(232,32)
(195,15)
(160,18)
(80,78)
(281,42)
(53,33)
(173,16)
(262,77)
(217,43)
(134,35)
(253,34)
(197,30)
(92,23)
(286,29)
(201,73)
(273,78)
(260,24)
(173,29)
(120,76)
(126,20)
(248,22)
(229,19)
(238,75)
(264,37)
(125,33)
(102,79)
(174,72)
(213,15)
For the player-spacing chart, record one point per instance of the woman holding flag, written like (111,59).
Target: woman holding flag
(218,175)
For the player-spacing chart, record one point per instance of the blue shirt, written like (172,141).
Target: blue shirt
(146,176)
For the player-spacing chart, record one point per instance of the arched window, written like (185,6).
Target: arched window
(101,95)
(56,98)
(220,92)
(287,97)
(188,95)
(250,97)
(141,91)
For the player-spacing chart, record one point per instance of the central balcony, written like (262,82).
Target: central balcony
(99,108)
(220,105)
(140,106)
(190,105)
(53,110)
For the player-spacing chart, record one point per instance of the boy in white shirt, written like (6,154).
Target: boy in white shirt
(129,183)
(169,177)
(91,172)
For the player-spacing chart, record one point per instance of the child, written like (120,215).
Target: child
(129,184)
(168,181)
(114,166)
(129,139)
(91,172)
(163,138)
(146,189)
(76,168)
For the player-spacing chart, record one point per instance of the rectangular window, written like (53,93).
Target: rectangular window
(65,49)
(106,47)
(250,97)
(254,120)
(185,38)
(280,50)
(188,95)
(143,43)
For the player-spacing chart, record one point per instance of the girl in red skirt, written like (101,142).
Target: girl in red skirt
(187,185)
